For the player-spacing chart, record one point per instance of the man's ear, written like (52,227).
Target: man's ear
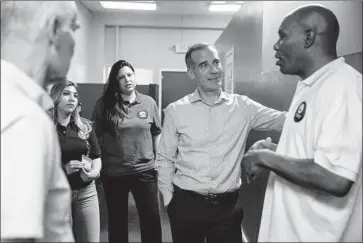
(54,29)
(309,39)
(190,74)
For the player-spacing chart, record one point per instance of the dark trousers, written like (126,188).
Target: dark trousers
(195,218)
(143,187)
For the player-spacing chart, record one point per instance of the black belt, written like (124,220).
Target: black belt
(208,196)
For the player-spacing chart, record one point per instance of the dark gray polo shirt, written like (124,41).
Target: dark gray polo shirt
(126,143)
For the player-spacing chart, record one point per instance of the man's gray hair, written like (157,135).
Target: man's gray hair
(196,47)
(27,19)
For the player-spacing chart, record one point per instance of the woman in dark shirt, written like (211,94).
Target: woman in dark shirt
(80,159)
(127,125)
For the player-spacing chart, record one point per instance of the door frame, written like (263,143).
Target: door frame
(161,70)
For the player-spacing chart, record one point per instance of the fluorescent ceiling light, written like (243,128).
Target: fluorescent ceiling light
(129,5)
(224,8)
(218,2)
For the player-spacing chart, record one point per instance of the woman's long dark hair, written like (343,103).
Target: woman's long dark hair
(112,91)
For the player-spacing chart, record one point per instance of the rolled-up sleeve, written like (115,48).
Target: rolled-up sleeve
(265,118)
(167,153)
(339,134)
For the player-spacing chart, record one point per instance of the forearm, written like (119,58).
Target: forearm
(97,165)
(166,171)
(156,140)
(270,120)
(303,172)
(294,170)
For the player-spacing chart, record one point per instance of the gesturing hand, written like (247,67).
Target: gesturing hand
(261,144)
(250,168)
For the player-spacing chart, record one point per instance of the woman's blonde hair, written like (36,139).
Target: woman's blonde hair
(84,127)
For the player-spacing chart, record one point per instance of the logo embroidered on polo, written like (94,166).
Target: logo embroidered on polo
(300,112)
(142,114)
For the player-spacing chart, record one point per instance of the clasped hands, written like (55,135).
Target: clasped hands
(254,158)
(87,172)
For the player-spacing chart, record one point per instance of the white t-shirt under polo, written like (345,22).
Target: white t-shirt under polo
(325,123)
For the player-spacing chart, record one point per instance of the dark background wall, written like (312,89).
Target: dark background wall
(90,93)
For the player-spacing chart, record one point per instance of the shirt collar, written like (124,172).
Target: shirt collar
(333,65)
(194,97)
(138,97)
(72,124)
(25,84)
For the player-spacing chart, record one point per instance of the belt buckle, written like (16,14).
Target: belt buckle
(211,197)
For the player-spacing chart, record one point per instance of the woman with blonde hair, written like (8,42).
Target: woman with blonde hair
(80,160)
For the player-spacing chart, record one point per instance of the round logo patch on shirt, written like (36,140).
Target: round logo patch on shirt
(142,114)
(300,112)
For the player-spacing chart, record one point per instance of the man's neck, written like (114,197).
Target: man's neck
(209,97)
(315,64)
(129,97)
(26,57)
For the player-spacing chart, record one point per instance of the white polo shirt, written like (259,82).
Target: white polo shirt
(324,123)
(35,194)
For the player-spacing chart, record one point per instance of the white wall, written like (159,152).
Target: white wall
(152,49)
(349,15)
(146,40)
(79,66)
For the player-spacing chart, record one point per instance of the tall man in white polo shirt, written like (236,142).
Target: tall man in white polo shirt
(37,44)
(314,191)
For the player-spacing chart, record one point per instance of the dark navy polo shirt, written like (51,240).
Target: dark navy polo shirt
(126,135)
(73,147)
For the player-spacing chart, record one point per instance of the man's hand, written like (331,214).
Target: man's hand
(256,159)
(249,167)
(250,170)
(261,144)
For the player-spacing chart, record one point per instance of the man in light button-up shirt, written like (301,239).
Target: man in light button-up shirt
(37,45)
(200,152)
